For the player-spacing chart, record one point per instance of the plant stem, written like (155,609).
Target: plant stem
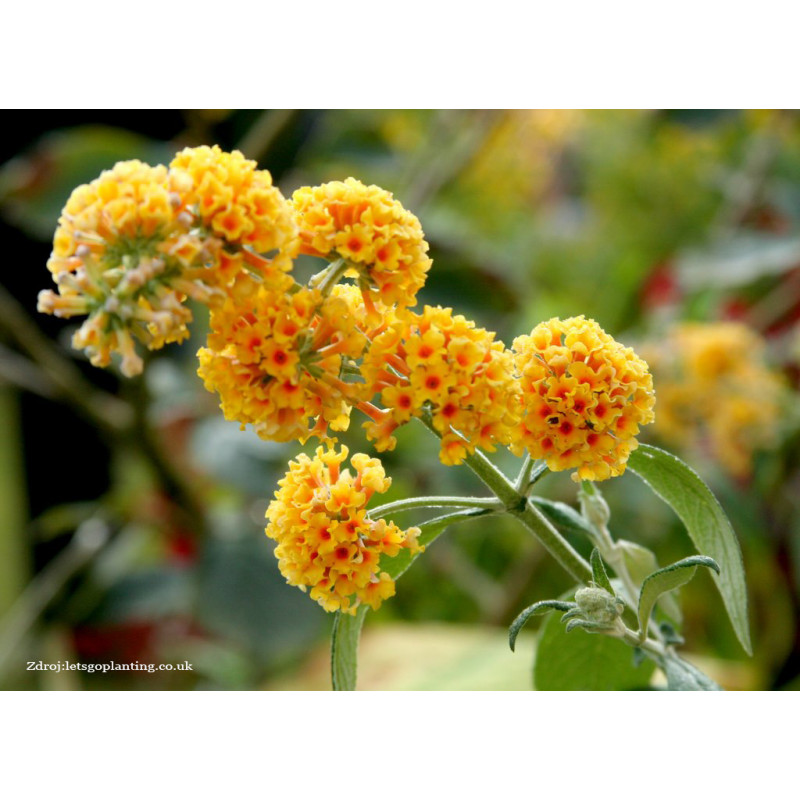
(331,275)
(556,544)
(606,545)
(344,649)
(104,410)
(524,473)
(530,473)
(614,557)
(519,507)
(490,503)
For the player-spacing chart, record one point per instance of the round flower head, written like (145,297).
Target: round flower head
(326,540)
(716,391)
(366,226)
(236,206)
(124,257)
(275,358)
(440,364)
(584,397)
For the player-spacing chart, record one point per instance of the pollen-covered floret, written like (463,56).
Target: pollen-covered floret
(326,539)
(275,358)
(584,397)
(381,241)
(440,364)
(716,392)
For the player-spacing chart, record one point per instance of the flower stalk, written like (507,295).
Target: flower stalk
(518,506)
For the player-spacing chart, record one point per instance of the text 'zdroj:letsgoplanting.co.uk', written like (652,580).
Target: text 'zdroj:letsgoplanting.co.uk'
(111,666)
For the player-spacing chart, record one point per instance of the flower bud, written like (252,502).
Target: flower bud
(597,605)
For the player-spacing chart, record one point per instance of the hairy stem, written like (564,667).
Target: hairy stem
(519,507)
(331,275)
(490,503)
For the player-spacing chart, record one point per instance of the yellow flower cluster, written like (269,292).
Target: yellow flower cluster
(440,364)
(371,230)
(275,357)
(325,537)
(292,360)
(584,397)
(133,244)
(121,255)
(716,391)
(236,204)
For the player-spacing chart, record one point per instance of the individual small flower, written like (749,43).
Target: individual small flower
(440,364)
(326,539)
(366,226)
(238,209)
(275,359)
(125,258)
(716,392)
(584,397)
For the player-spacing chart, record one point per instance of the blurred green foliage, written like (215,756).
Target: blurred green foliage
(634,218)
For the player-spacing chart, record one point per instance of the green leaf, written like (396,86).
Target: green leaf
(585,661)
(542,607)
(642,561)
(344,648)
(666,580)
(587,625)
(599,575)
(683,677)
(429,531)
(563,516)
(708,526)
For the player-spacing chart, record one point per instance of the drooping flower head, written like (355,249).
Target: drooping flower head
(584,397)
(716,391)
(439,363)
(366,226)
(326,539)
(275,358)
(236,207)
(125,258)
(133,244)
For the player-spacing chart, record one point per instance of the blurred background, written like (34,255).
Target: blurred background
(131,512)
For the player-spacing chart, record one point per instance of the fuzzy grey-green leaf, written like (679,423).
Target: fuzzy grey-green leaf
(542,607)
(600,576)
(708,526)
(665,580)
(640,562)
(582,661)
(429,531)
(685,677)
(564,517)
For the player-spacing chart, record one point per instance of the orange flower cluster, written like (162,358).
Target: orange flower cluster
(326,539)
(584,397)
(366,226)
(117,259)
(293,360)
(133,244)
(441,364)
(234,203)
(716,392)
(275,357)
